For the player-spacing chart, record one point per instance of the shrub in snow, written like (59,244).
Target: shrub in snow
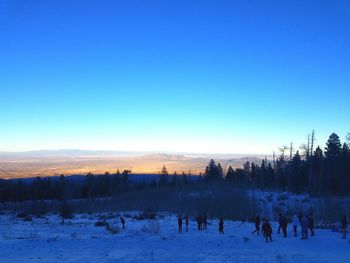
(113,229)
(7,236)
(32,236)
(146,215)
(21,215)
(101,223)
(305,200)
(52,239)
(66,211)
(38,208)
(282,197)
(269,198)
(282,204)
(28,218)
(152,227)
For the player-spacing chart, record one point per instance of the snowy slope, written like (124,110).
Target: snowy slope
(46,240)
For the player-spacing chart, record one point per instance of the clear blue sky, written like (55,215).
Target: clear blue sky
(199,76)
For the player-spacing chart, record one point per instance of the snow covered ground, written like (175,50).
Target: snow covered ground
(79,240)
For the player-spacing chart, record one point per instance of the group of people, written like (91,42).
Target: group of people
(180,221)
(266,228)
(306,222)
(202,222)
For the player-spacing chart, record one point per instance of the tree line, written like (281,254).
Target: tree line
(315,171)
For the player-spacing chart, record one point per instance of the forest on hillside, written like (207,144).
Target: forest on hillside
(314,170)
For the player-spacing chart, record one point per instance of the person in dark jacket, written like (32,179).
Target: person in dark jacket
(344,225)
(311,224)
(199,222)
(257,225)
(205,221)
(283,224)
(279,223)
(267,229)
(304,226)
(179,222)
(221,226)
(122,220)
(186,221)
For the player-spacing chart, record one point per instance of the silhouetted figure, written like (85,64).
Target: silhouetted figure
(179,222)
(304,227)
(187,222)
(257,225)
(199,222)
(284,223)
(311,224)
(344,225)
(295,225)
(205,220)
(267,229)
(221,226)
(279,223)
(122,220)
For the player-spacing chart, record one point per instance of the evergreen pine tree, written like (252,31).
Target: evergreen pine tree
(333,166)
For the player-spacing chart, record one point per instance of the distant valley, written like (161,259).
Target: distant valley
(68,162)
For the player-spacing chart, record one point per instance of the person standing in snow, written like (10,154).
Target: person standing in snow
(179,222)
(311,224)
(304,227)
(205,220)
(257,225)
(279,223)
(295,225)
(283,224)
(186,221)
(122,220)
(267,229)
(199,222)
(221,226)
(344,225)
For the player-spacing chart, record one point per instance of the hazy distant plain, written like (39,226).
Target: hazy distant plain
(29,165)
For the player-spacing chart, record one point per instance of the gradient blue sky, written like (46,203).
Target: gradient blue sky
(197,76)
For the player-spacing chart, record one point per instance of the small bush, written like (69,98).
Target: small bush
(283,197)
(32,236)
(269,198)
(28,218)
(152,227)
(146,215)
(21,215)
(305,200)
(7,236)
(66,211)
(101,223)
(112,229)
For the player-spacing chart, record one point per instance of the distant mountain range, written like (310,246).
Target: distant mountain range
(72,161)
(78,152)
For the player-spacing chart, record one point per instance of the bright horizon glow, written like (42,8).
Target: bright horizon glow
(242,77)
